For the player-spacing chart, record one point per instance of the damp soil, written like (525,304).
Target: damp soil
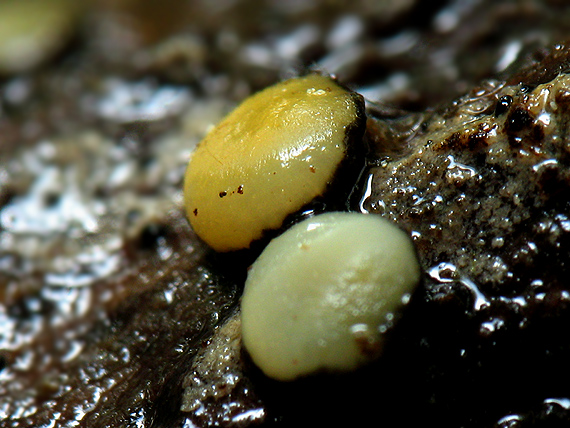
(113,313)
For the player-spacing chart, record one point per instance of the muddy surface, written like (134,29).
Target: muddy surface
(112,313)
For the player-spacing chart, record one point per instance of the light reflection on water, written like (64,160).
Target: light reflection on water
(447,273)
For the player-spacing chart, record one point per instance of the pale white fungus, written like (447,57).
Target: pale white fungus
(321,296)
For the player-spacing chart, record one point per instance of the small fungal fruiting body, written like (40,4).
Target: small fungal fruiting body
(33,31)
(319,296)
(272,155)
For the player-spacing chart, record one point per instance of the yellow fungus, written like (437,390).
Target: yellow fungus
(33,31)
(268,158)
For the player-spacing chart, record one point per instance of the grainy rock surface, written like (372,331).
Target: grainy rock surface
(109,305)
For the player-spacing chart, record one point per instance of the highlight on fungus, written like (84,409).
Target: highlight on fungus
(272,155)
(321,295)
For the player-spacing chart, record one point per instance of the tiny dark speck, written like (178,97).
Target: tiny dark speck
(222,194)
(195,211)
(240,190)
(52,199)
(151,235)
(517,120)
(503,105)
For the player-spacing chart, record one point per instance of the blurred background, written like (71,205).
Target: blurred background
(101,104)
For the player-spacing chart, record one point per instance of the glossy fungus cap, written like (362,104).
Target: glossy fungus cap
(268,158)
(321,295)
